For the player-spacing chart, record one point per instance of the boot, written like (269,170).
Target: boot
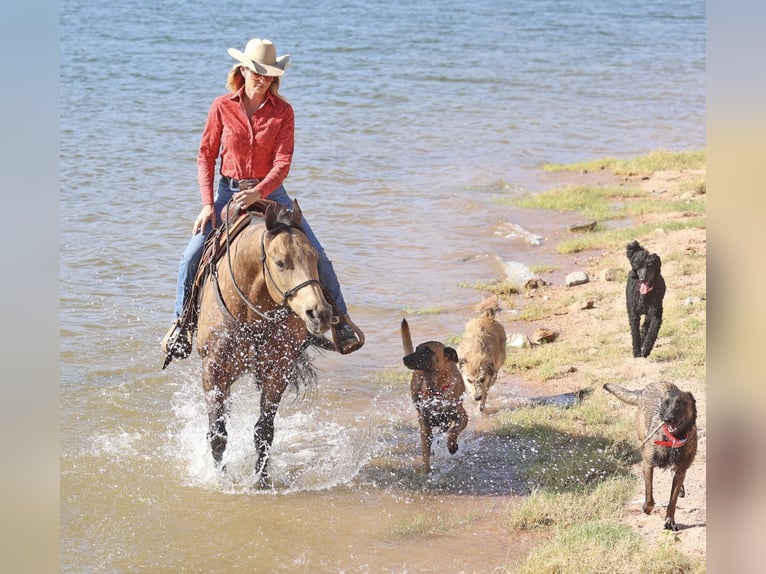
(177,341)
(346,335)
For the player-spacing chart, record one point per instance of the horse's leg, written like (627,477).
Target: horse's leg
(217,389)
(263,434)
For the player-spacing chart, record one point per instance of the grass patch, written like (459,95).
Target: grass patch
(544,508)
(422,525)
(500,288)
(613,238)
(602,547)
(393,377)
(554,360)
(425,311)
(600,203)
(577,461)
(608,203)
(657,160)
(570,450)
(543,269)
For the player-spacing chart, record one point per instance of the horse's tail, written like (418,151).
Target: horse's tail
(407,338)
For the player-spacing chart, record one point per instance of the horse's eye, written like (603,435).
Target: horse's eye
(280,264)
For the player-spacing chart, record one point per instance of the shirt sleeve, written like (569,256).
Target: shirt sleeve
(209,148)
(284,145)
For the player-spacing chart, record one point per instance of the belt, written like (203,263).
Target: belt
(240,184)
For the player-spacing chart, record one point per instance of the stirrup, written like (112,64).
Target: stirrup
(344,348)
(176,343)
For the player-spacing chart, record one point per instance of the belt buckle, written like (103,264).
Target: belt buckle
(247,183)
(233,184)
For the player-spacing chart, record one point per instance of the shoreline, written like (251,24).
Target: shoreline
(608,322)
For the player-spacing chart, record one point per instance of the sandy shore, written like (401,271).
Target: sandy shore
(635,373)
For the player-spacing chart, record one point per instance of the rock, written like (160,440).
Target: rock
(581,305)
(692,301)
(534,283)
(610,274)
(543,335)
(518,340)
(580,227)
(576,278)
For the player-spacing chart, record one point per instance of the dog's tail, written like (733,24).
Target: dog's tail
(625,395)
(407,338)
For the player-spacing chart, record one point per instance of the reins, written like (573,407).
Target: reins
(271,316)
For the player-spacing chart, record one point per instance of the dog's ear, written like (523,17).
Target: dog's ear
(450,354)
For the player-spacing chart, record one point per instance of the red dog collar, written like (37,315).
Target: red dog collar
(672,441)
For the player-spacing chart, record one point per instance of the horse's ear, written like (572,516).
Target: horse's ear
(297,215)
(270,217)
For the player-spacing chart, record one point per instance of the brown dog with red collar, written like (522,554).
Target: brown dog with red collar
(666,421)
(437,391)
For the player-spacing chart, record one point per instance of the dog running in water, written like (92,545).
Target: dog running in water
(666,421)
(481,352)
(437,391)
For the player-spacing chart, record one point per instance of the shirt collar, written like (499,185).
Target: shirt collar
(238,96)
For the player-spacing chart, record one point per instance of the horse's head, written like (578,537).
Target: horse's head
(290,268)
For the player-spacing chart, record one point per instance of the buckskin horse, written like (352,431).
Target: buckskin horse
(259,307)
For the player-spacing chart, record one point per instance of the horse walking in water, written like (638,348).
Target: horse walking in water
(259,307)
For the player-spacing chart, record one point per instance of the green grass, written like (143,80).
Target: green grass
(542,269)
(544,509)
(422,525)
(425,311)
(621,236)
(599,203)
(602,547)
(570,450)
(658,160)
(500,288)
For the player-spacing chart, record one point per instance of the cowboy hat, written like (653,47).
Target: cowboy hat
(261,57)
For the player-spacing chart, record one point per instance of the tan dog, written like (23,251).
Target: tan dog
(666,421)
(482,351)
(437,391)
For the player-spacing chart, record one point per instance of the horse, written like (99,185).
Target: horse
(259,307)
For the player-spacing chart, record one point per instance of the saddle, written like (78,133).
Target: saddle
(233,221)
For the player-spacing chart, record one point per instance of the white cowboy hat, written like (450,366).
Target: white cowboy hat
(261,57)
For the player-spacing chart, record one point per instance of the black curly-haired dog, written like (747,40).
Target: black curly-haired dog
(643,294)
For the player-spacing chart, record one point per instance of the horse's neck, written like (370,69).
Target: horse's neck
(246,275)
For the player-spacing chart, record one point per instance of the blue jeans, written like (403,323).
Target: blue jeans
(187,269)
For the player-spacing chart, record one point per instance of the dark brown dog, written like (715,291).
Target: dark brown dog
(437,391)
(666,421)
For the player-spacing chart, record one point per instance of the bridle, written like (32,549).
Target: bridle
(285,294)
(277,314)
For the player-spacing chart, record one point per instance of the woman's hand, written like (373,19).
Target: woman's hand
(207,213)
(245,199)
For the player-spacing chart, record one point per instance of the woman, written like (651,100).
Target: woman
(252,129)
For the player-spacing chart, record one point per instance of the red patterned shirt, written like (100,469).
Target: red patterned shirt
(261,148)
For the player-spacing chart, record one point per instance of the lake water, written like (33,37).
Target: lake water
(412,119)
